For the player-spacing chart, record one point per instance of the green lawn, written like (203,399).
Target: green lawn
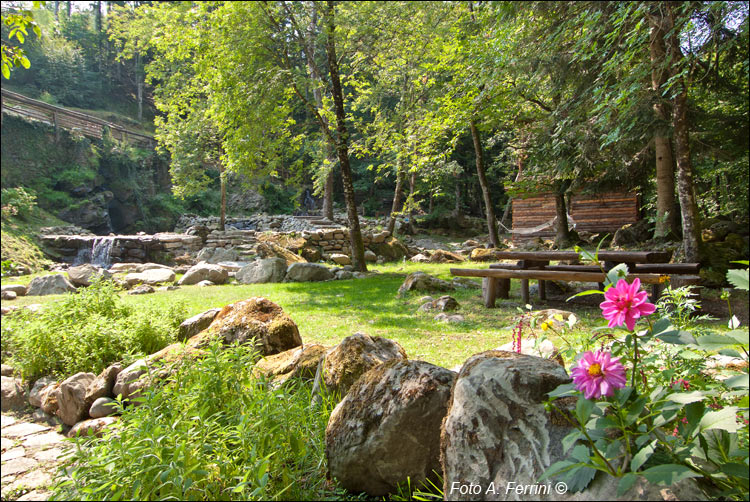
(329,311)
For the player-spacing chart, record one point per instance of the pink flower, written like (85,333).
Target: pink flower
(625,304)
(598,374)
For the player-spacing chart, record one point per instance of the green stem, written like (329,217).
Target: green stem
(582,428)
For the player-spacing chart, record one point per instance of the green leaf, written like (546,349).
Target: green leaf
(740,336)
(581,453)
(668,474)
(583,409)
(25,62)
(677,337)
(642,456)
(6,70)
(686,397)
(569,440)
(739,278)
(626,483)
(557,468)
(725,419)
(566,389)
(738,381)
(578,479)
(586,293)
(736,469)
(663,325)
(714,342)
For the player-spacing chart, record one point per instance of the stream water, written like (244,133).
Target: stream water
(98,254)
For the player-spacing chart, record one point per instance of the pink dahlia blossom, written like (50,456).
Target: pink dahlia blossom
(598,374)
(625,304)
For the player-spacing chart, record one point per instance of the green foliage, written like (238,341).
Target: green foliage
(680,306)
(87,331)
(212,432)
(17,202)
(18,24)
(279,199)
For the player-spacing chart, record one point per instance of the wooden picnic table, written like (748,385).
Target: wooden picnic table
(648,266)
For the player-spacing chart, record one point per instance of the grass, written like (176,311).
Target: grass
(326,312)
(19,237)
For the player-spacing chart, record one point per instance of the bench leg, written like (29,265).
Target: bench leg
(601,286)
(525,291)
(489,291)
(542,290)
(656,290)
(503,288)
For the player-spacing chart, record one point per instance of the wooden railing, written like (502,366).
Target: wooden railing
(59,117)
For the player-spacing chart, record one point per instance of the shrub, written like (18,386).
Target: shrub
(212,432)
(87,331)
(17,202)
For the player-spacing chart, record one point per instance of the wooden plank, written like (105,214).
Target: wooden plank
(553,275)
(621,256)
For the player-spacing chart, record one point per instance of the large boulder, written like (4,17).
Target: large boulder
(387,428)
(419,281)
(83,275)
(300,362)
(215,255)
(261,271)
(129,382)
(18,289)
(204,272)
(102,385)
(271,250)
(255,320)
(497,431)
(341,259)
(49,285)
(71,398)
(103,407)
(8,295)
(391,249)
(151,276)
(352,358)
(194,325)
(13,393)
(633,234)
(442,256)
(308,272)
(48,397)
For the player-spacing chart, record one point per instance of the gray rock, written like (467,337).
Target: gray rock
(103,384)
(308,272)
(83,275)
(455,318)
(71,398)
(205,284)
(262,271)
(49,285)
(142,289)
(387,428)
(128,382)
(41,416)
(419,258)
(94,427)
(350,359)
(194,325)
(497,429)
(142,267)
(465,282)
(419,281)
(300,362)
(204,272)
(13,394)
(18,289)
(341,259)
(370,256)
(151,276)
(124,267)
(344,275)
(48,396)
(8,295)
(102,407)
(35,395)
(7,370)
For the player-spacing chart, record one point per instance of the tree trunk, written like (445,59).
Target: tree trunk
(665,200)
(691,234)
(342,145)
(139,85)
(67,9)
(397,196)
(489,211)
(330,149)
(457,205)
(562,232)
(223,210)
(328,194)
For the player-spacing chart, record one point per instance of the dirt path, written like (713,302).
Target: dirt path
(31,454)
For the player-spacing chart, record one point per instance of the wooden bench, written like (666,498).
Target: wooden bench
(496,279)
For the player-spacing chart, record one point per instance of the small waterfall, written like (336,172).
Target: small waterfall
(98,254)
(101,251)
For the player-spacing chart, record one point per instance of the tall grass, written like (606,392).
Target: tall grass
(212,432)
